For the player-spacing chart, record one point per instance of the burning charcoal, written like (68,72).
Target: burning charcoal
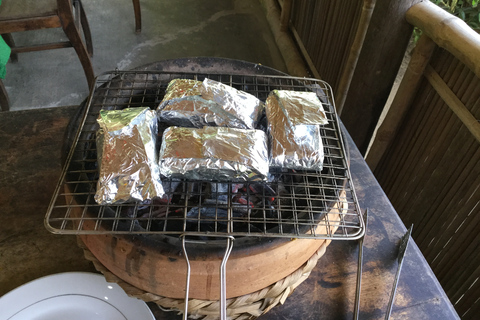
(219,191)
(243,201)
(260,188)
(191,189)
(169,188)
(236,187)
(215,212)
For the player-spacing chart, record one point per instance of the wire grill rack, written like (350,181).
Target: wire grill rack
(292,204)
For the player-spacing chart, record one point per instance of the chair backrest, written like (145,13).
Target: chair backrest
(24,15)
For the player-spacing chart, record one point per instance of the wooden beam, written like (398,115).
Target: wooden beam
(386,132)
(304,52)
(467,118)
(40,47)
(448,32)
(30,24)
(382,53)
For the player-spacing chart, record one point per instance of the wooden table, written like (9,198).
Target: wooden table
(329,292)
(30,149)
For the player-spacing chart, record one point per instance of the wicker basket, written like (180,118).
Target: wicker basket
(248,306)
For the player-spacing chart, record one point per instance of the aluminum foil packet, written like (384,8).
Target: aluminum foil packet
(214,153)
(191,103)
(294,120)
(127,156)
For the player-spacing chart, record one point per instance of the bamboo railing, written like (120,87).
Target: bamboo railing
(356,46)
(426,153)
(324,31)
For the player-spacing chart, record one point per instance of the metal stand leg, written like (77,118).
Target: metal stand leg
(223,274)
(356,310)
(401,255)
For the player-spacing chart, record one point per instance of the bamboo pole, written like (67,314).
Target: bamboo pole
(467,118)
(304,52)
(403,98)
(405,140)
(293,59)
(381,56)
(285,15)
(347,74)
(448,32)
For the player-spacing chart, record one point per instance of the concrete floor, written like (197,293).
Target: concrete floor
(45,86)
(235,29)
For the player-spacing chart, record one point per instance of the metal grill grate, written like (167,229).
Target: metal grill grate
(294,204)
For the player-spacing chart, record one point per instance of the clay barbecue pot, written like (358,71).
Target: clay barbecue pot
(155,263)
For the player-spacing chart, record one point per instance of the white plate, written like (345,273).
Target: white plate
(72,296)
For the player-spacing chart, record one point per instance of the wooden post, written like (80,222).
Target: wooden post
(293,59)
(403,98)
(285,15)
(349,68)
(4,100)
(382,53)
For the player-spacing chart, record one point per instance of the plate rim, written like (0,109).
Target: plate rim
(19,312)
(89,284)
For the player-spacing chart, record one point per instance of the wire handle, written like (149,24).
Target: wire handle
(223,273)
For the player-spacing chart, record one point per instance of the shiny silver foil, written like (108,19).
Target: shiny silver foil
(191,103)
(127,157)
(294,120)
(183,106)
(246,107)
(214,153)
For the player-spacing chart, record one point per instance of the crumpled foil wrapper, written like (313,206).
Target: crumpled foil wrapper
(214,153)
(191,103)
(294,119)
(127,156)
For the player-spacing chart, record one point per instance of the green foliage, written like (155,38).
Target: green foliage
(467,10)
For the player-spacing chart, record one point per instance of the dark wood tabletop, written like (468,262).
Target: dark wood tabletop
(30,148)
(329,292)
